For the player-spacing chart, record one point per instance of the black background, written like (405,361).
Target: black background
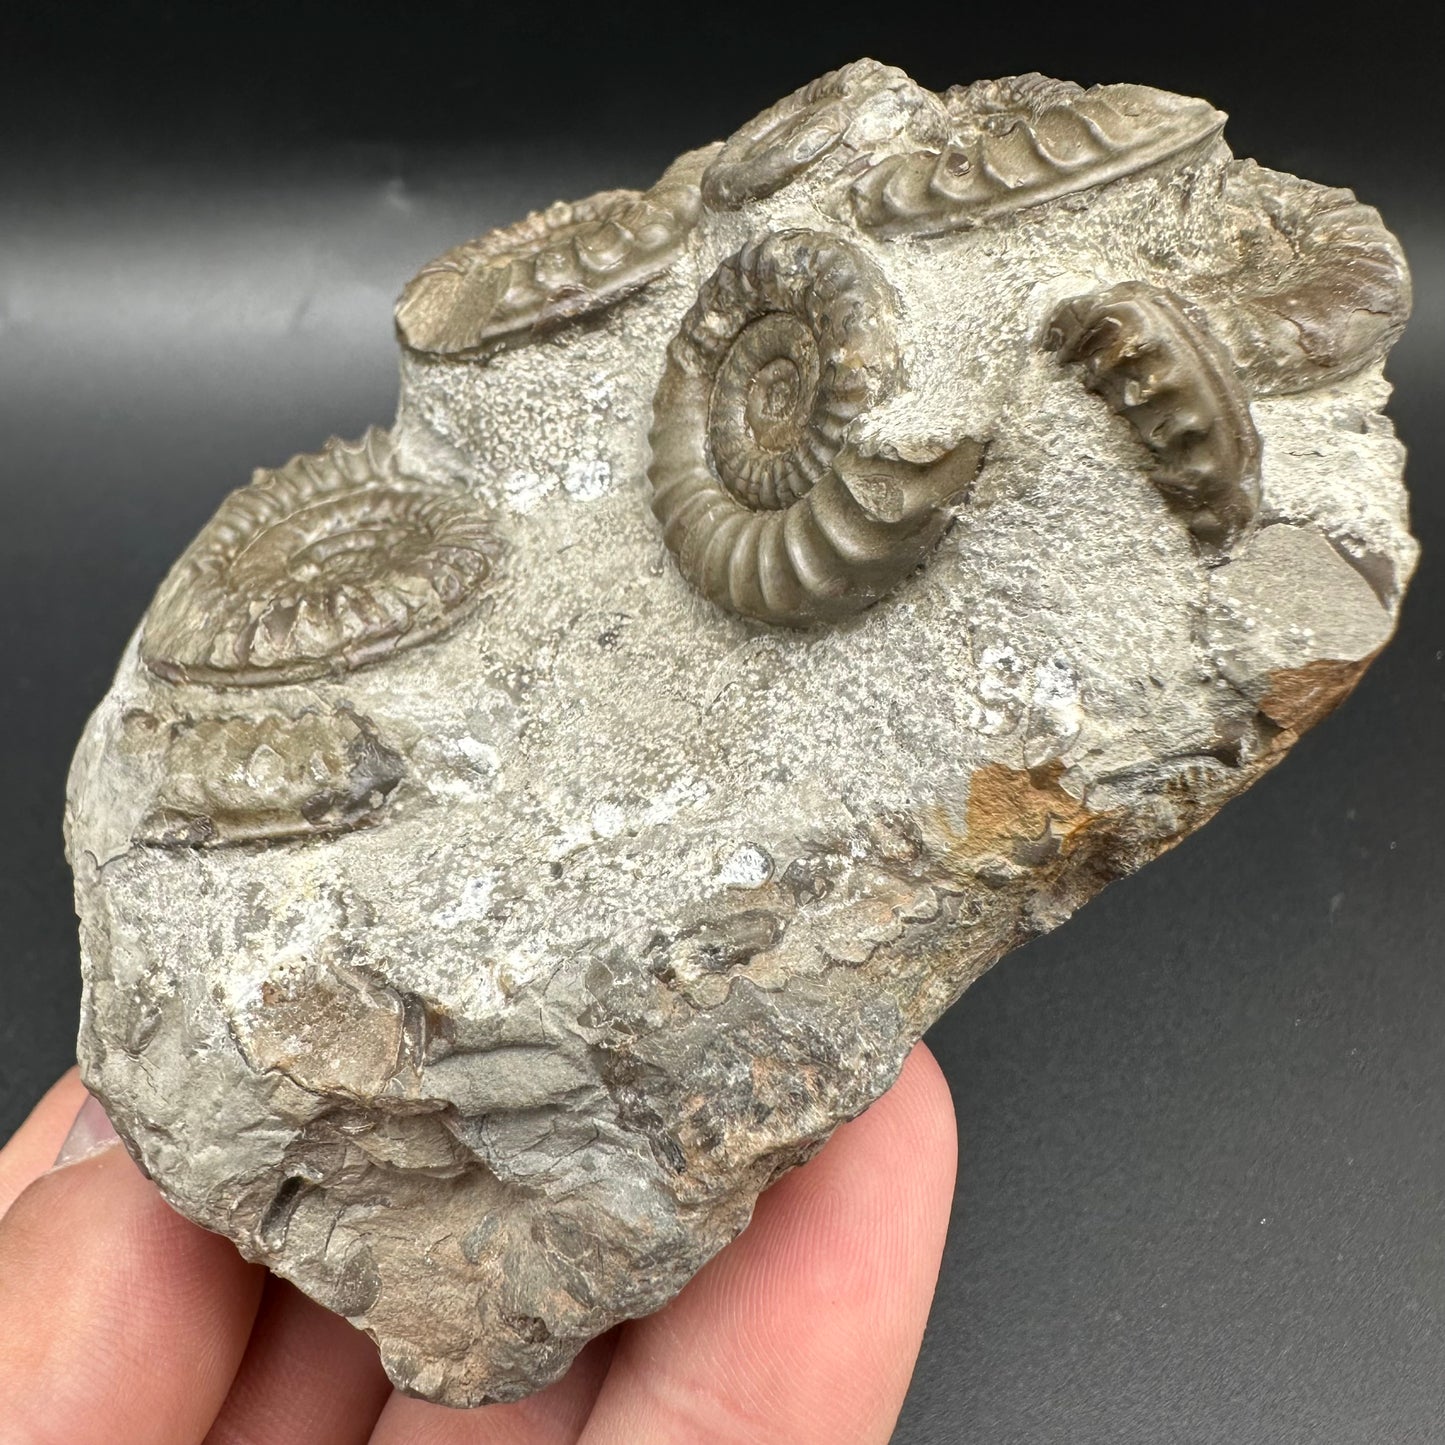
(1203,1142)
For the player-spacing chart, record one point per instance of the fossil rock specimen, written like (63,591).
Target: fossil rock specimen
(512,841)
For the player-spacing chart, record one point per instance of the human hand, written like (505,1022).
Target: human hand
(123,1323)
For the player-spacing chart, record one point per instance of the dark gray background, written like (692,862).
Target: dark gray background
(1202,1152)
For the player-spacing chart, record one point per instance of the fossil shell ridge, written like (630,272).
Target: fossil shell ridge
(327,564)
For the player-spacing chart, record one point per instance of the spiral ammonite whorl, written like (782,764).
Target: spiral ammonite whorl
(331,562)
(769,510)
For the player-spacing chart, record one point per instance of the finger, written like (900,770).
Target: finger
(554,1416)
(119,1320)
(33,1146)
(805,1330)
(308,1378)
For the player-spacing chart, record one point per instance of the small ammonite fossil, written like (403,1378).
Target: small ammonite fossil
(857,102)
(1023,141)
(332,561)
(553,266)
(1162,372)
(1321,289)
(768,508)
(261,779)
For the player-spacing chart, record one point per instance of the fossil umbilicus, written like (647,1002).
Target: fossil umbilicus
(513,840)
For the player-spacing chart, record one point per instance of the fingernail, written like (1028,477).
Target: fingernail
(91,1132)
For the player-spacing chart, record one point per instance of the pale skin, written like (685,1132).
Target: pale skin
(120,1321)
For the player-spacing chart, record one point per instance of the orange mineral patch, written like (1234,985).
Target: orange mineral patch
(1299,697)
(1023,814)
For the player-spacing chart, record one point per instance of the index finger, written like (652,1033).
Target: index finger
(31,1150)
(119,1320)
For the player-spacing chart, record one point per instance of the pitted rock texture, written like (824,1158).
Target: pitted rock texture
(479,982)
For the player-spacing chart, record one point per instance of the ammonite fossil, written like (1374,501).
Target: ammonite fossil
(330,562)
(1321,288)
(1027,140)
(552,267)
(852,107)
(1175,385)
(768,509)
(265,778)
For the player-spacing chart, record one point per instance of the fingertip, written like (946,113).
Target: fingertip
(918,1115)
(91,1132)
(31,1150)
(119,1319)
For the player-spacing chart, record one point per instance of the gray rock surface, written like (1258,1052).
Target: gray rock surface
(510,843)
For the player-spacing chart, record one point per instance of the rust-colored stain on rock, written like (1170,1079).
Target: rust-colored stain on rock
(1024,815)
(1299,697)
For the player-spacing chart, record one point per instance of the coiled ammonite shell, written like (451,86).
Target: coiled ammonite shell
(1026,140)
(1337,287)
(332,561)
(789,137)
(229,780)
(767,508)
(1158,368)
(555,265)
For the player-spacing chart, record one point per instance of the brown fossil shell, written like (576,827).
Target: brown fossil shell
(555,265)
(767,507)
(1159,368)
(787,138)
(1026,140)
(1337,292)
(335,560)
(266,778)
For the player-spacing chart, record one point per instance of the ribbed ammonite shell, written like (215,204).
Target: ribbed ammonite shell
(767,507)
(1025,140)
(1160,369)
(229,780)
(1337,287)
(789,137)
(555,265)
(333,561)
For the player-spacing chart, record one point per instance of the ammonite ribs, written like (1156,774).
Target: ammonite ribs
(1020,145)
(789,138)
(768,510)
(329,563)
(252,779)
(1174,385)
(1341,290)
(556,265)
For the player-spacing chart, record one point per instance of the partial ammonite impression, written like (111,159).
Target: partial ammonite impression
(554,266)
(228,780)
(853,108)
(1321,289)
(1025,140)
(768,508)
(1160,370)
(332,561)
